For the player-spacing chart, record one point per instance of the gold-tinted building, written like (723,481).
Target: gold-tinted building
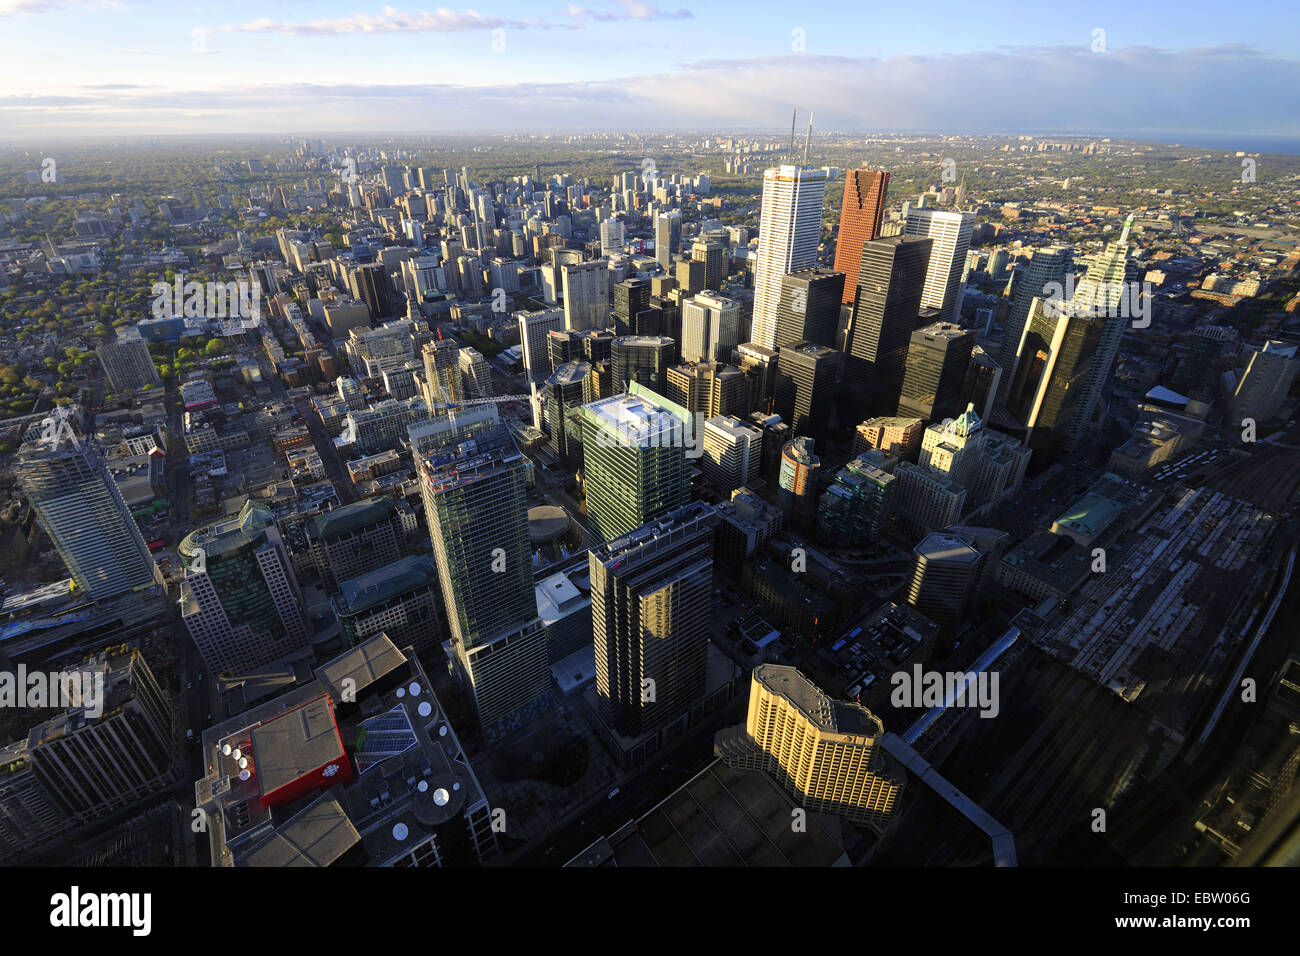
(825,752)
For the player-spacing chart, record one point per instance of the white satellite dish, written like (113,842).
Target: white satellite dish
(400,832)
(244,775)
(442,731)
(225,750)
(401,692)
(441,797)
(237,753)
(414,689)
(422,786)
(243,763)
(425,708)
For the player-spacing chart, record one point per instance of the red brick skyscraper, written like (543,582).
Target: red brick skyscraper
(860,215)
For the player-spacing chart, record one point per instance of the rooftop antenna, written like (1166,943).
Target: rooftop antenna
(793,114)
(808,142)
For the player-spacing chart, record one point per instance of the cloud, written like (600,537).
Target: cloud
(389,20)
(632,10)
(393,20)
(9,8)
(1140,92)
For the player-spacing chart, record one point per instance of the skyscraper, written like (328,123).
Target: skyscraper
(945,572)
(733,453)
(475,504)
(650,594)
(1056,350)
(807,378)
(631,299)
(127,362)
(586,294)
(938,359)
(790,223)
(708,389)
(1107,293)
(855,507)
(634,455)
(809,308)
(884,314)
(668,237)
(534,332)
(861,212)
(641,359)
(568,389)
(239,598)
(81,509)
(950,232)
(1044,274)
(710,328)
(713,255)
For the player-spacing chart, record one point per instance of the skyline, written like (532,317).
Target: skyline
(241,68)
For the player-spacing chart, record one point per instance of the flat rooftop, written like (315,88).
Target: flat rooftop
(721,817)
(295,743)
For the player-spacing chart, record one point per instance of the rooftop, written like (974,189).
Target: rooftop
(375,587)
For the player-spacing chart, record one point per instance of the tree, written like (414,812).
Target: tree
(214,347)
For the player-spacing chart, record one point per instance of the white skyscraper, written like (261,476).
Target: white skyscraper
(710,328)
(611,237)
(586,295)
(950,232)
(789,233)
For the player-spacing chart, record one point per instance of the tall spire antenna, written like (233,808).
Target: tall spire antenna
(793,113)
(808,142)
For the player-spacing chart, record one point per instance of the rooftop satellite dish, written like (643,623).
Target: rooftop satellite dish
(244,775)
(442,731)
(422,786)
(441,797)
(243,763)
(455,786)
(425,708)
(414,689)
(401,692)
(400,832)
(225,750)
(237,753)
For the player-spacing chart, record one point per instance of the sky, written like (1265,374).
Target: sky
(1148,69)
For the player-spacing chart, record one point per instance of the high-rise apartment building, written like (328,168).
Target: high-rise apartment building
(635,465)
(475,503)
(127,362)
(534,340)
(650,599)
(790,222)
(79,506)
(861,212)
(586,294)
(569,388)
